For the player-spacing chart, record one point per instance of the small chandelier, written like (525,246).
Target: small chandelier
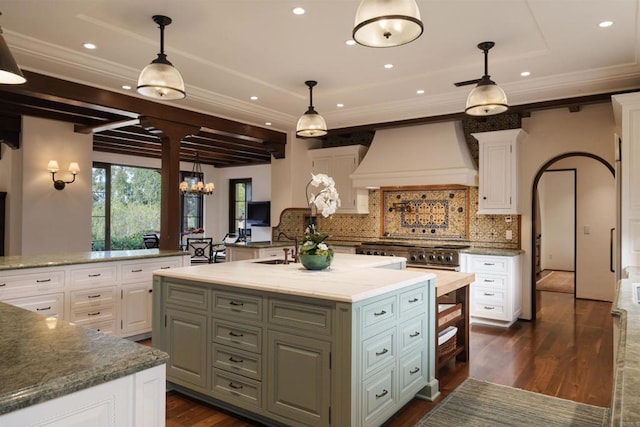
(487,98)
(387,23)
(160,79)
(198,187)
(311,124)
(10,73)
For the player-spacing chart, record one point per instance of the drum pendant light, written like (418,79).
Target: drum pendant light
(10,73)
(311,124)
(160,79)
(387,23)
(487,98)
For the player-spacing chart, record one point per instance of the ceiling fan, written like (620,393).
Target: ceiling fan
(487,98)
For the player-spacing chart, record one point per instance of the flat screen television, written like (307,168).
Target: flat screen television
(259,213)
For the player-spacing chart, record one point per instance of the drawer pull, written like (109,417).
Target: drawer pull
(233,334)
(488,280)
(2,284)
(43,309)
(384,393)
(232,360)
(137,270)
(94,296)
(94,275)
(413,300)
(487,294)
(380,353)
(235,386)
(489,263)
(489,308)
(236,304)
(93,314)
(150,291)
(164,268)
(415,334)
(43,280)
(414,370)
(380,313)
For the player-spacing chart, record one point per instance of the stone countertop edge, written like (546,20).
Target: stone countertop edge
(58,260)
(625,402)
(492,251)
(58,361)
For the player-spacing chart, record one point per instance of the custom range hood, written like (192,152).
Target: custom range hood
(433,154)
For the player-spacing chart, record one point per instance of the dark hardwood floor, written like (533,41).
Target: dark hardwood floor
(567,352)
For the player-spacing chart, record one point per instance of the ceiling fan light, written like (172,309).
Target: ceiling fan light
(486,99)
(311,125)
(161,80)
(10,73)
(387,23)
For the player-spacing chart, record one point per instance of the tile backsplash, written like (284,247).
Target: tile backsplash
(416,215)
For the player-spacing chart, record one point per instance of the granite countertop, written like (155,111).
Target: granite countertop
(265,244)
(625,404)
(43,358)
(350,278)
(54,260)
(491,251)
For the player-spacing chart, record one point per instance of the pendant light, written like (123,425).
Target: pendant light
(197,187)
(387,23)
(311,124)
(486,99)
(160,79)
(10,73)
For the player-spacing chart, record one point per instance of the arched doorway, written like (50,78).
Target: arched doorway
(534,212)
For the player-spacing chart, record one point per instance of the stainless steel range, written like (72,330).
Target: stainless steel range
(443,257)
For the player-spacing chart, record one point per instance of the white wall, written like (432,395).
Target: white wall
(557,215)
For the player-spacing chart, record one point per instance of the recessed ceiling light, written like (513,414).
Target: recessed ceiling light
(89,46)
(126,87)
(350,42)
(420,91)
(298,11)
(388,66)
(267,123)
(340,105)
(605,24)
(254,98)
(525,73)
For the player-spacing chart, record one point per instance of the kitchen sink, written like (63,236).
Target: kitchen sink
(271,261)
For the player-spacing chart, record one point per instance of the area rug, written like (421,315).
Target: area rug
(481,404)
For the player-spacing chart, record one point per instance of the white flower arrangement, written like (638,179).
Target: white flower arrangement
(327,201)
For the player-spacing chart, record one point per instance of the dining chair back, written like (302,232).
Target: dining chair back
(151,241)
(220,250)
(200,249)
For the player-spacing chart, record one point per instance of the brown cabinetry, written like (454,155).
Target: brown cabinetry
(453,310)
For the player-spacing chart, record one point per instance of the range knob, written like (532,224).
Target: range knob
(432,257)
(413,257)
(421,257)
(449,258)
(440,258)
(383,253)
(375,252)
(369,253)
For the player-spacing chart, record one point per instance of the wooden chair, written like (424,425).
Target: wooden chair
(220,250)
(200,249)
(151,241)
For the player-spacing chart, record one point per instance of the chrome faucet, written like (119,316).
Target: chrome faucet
(296,258)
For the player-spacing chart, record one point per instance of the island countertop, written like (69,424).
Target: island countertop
(448,281)
(350,278)
(43,358)
(54,260)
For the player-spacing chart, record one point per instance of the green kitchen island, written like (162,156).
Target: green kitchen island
(347,346)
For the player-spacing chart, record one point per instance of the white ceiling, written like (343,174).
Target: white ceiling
(230,50)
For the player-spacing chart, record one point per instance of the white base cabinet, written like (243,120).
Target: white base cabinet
(241,253)
(496,293)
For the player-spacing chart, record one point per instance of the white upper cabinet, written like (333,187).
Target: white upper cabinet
(339,163)
(498,170)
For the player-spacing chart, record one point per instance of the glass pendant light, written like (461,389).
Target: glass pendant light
(160,79)
(311,124)
(10,73)
(387,23)
(487,98)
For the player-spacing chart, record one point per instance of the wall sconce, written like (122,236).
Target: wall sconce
(53,167)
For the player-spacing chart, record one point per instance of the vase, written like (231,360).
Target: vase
(316,262)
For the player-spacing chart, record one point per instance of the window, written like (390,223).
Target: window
(239,195)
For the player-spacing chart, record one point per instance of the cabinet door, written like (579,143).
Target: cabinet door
(299,378)
(135,309)
(495,176)
(341,170)
(186,343)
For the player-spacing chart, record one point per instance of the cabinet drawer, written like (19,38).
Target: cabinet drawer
(104,326)
(413,370)
(491,264)
(48,305)
(378,396)
(480,294)
(93,275)
(298,315)
(274,252)
(238,305)
(237,361)
(490,311)
(187,296)
(93,297)
(412,333)
(30,283)
(93,315)
(143,270)
(237,335)
(236,389)
(491,280)
(413,299)
(377,313)
(378,350)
